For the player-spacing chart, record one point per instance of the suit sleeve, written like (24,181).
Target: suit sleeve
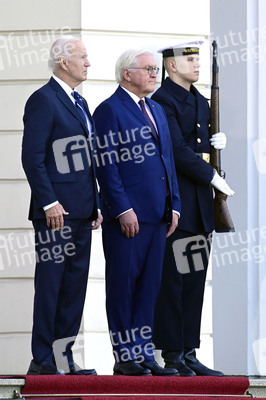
(107,170)
(176,202)
(175,196)
(38,126)
(185,158)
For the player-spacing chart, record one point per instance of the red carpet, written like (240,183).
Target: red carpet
(131,388)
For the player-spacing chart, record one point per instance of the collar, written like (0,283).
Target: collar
(65,87)
(133,96)
(179,91)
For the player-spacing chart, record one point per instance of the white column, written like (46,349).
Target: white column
(239,266)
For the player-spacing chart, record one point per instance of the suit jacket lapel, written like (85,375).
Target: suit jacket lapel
(89,114)
(130,104)
(152,108)
(63,97)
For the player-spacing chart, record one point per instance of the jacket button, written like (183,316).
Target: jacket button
(199,140)
(198,125)
(162,178)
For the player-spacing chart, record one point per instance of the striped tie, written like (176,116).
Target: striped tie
(143,109)
(79,105)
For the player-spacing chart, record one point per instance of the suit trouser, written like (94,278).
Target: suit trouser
(133,275)
(61,274)
(178,310)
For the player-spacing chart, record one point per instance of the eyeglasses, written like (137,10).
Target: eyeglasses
(150,70)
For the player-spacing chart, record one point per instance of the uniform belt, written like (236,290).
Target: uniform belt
(204,156)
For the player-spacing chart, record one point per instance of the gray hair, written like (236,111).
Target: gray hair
(127,60)
(62,47)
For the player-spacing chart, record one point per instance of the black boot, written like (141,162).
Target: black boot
(175,359)
(193,363)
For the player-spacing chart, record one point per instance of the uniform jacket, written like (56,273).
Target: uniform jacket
(56,154)
(188,119)
(135,174)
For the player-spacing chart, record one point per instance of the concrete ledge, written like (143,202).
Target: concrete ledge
(11,388)
(257,387)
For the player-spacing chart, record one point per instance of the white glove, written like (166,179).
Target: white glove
(220,184)
(218,140)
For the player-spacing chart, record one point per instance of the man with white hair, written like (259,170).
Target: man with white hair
(140,205)
(64,206)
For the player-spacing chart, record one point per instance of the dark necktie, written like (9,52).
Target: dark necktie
(79,105)
(143,109)
(154,130)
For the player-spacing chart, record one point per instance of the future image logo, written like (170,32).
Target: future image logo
(19,50)
(191,254)
(71,154)
(66,350)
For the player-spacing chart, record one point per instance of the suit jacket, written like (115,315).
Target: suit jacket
(188,119)
(56,154)
(133,166)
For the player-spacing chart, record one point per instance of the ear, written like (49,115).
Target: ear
(63,63)
(127,75)
(172,66)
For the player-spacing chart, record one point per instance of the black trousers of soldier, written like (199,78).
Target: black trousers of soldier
(179,306)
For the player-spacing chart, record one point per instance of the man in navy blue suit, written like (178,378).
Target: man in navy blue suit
(140,205)
(57,160)
(179,306)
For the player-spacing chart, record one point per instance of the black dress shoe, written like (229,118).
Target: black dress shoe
(193,363)
(130,368)
(175,359)
(156,370)
(43,368)
(76,370)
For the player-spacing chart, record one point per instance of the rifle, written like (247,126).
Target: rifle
(222,218)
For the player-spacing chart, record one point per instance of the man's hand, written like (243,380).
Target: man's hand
(172,227)
(129,224)
(97,223)
(55,217)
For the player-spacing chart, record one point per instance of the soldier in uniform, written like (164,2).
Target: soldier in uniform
(179,307)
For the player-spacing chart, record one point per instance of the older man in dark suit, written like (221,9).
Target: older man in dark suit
(64,207)
(139,197)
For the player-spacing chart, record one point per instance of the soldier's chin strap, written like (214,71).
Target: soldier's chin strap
(163,73)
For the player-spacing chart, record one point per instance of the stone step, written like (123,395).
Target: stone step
(257,387)
(11,388)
